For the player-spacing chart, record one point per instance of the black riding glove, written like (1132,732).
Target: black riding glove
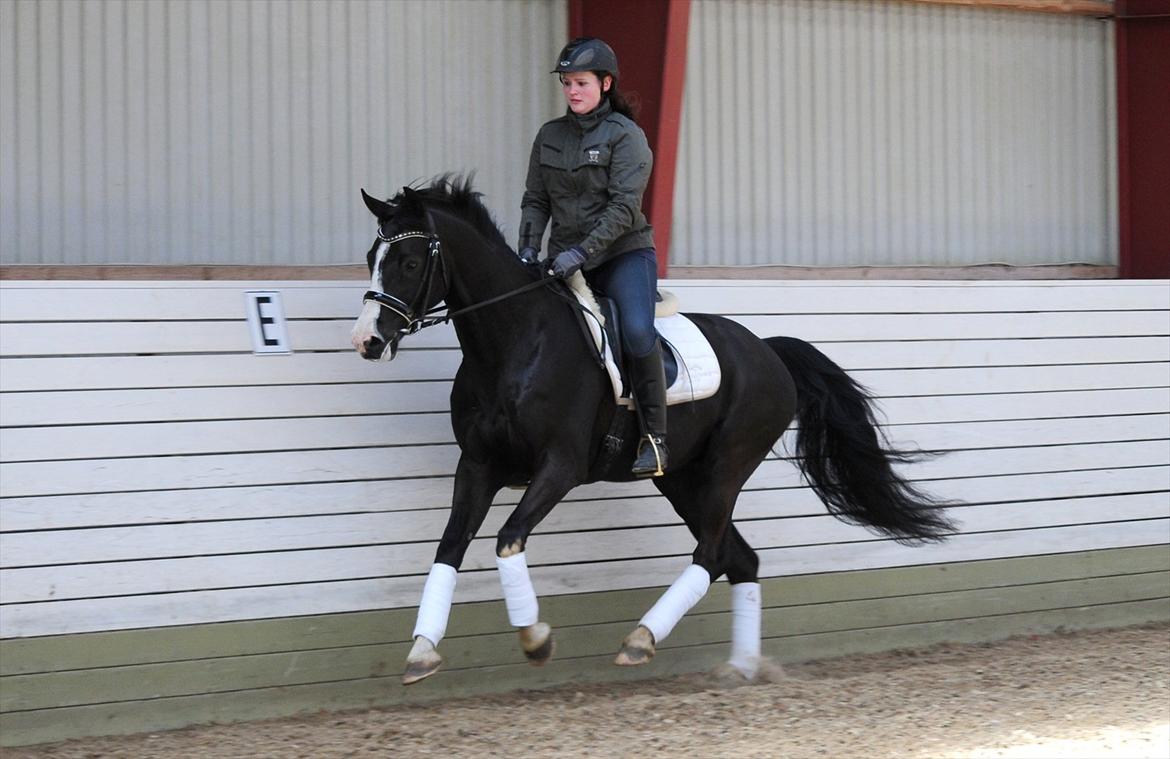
(529,255)
(568,262)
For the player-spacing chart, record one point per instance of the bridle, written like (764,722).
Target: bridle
(412,313)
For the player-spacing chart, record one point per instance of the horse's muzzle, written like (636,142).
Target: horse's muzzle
(367,339)
(373,348)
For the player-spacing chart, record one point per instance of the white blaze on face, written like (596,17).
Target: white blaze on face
(366,325)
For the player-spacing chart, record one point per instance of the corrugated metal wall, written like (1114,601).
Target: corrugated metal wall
(239,131)
(839,132)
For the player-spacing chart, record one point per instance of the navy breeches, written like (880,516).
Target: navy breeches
(631,280)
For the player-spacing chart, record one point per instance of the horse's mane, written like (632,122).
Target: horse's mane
(454,193)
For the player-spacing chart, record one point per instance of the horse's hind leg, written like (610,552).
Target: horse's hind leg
(742,566)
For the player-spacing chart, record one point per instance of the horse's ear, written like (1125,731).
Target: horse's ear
(377,207)
(411,201)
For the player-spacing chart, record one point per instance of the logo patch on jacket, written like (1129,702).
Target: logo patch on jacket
(593,155)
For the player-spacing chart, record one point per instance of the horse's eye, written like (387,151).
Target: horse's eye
(410,265)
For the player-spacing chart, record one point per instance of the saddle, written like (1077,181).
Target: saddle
(692,369)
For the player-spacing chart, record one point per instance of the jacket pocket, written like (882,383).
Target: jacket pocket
(552,156)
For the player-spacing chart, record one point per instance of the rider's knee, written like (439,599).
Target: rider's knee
(638,340)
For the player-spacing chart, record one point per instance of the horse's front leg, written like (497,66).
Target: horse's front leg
(545,491)
(475,486)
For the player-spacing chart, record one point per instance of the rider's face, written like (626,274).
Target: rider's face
(583,90)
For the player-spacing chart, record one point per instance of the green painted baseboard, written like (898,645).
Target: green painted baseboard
(60,687)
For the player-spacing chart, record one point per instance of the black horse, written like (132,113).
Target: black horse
(530,405)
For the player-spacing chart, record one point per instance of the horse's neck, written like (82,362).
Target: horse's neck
(501,333)
(507,332)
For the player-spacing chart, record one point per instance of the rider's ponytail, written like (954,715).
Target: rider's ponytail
(625,104)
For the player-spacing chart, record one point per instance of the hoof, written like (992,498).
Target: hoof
(538,644)
(637,648)
(422,662)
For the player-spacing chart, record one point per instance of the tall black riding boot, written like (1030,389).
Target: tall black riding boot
(650,395)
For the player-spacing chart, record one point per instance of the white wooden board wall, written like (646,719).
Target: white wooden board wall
(154,472)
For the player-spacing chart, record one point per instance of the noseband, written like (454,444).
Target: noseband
(413,313)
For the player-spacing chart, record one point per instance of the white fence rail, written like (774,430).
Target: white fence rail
(153,471)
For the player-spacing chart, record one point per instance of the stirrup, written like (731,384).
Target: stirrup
(658,445)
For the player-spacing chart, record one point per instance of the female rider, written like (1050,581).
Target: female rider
(587,173)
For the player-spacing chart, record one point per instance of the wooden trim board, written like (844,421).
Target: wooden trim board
(1094,8)
(357,272)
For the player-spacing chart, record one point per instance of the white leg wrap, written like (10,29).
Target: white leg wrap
(435,606)
(678,599)
(519,595)
(745,628)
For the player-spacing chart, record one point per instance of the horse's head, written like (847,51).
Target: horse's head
(407,275)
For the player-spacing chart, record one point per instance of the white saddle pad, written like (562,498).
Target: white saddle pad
(698,366)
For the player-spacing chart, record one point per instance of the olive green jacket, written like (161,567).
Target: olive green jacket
(587,174)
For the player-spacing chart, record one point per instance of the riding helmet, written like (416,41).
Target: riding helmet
(586,54)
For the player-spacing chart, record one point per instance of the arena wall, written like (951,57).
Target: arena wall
(239,133)
(851,133)
(814,133)
(190,532)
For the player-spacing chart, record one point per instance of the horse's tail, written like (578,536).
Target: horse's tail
(845,458)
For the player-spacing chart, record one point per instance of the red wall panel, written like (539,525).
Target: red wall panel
(1143,127)
(650,39)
